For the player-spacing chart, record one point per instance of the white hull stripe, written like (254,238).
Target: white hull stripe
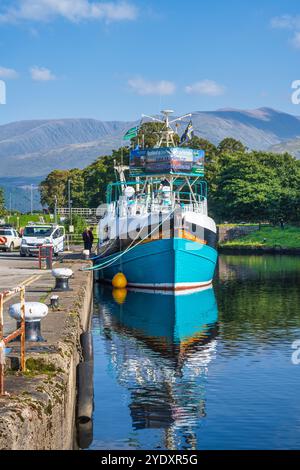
(169,286)
(151,290)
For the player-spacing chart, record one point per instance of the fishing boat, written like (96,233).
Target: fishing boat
(155,228)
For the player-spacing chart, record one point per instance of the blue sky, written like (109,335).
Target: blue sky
(117,59)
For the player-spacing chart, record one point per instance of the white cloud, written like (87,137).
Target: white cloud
(291,23)
(72,10)
(41,74)
(145,87)
(286,22)
(205,87)
(8,73)
(295,41)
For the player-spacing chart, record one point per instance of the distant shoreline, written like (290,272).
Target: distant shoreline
(260,241)
(234,250)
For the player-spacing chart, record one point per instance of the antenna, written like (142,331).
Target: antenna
(152,118)
(166,135)
(180,118)
(120,169)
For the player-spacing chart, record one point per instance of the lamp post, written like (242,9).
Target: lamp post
(55,209)
(31,199)
(69,201)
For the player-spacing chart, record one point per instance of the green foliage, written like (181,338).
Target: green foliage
(54,186)
(77,188)
(255,187)
(149,133)
(88,186)
(100,173)
(78,222)
(230,145)
(243,186)
(203,144)
(21,220)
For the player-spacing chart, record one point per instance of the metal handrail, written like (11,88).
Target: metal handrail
(19,332)
(77,210)
(122,208)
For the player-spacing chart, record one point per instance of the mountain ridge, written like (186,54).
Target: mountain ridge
(36,147)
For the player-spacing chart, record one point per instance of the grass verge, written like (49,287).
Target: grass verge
(267,237)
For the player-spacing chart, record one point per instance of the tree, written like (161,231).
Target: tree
(256,186)
(78,197)
(54,186)
(230,145)
(149,133)
(100,173)
(202,144)
(243,186)
(287,170)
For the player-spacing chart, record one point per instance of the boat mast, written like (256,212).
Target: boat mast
(120,169)
(166,135)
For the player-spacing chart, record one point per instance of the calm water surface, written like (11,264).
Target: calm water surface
(208,370)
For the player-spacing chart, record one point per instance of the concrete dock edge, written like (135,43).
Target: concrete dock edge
(39,414)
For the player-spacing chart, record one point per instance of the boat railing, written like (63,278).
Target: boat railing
(138,207)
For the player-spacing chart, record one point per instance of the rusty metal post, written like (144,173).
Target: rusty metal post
(22,299)
(19,332)
(40,257)
(49,256)
(1,316)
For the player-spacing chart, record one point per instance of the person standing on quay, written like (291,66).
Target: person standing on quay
(88,238)
(91,235)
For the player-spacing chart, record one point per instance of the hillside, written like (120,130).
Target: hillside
(258,129)
(290,146)
(33,148)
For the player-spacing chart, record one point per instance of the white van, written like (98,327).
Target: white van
(40,234)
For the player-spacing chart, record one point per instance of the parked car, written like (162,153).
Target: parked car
(9,238)
(37,235)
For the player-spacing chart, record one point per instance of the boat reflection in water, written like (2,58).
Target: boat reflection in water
(160,345)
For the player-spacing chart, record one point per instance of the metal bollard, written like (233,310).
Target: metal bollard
(34,313)
(62,276)
(54,302)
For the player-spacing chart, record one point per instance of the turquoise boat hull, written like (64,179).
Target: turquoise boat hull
(171,264)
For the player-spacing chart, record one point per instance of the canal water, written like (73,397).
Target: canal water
(212,369)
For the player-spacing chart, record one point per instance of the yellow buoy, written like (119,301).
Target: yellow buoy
(119,281)
(119,295)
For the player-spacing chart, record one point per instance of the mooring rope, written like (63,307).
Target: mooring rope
(108,263)
(119,255)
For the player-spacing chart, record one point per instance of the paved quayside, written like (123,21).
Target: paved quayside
(40,411)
